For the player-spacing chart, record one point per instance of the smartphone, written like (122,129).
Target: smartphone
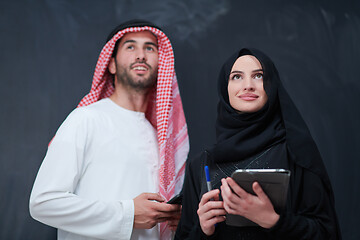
(177,199)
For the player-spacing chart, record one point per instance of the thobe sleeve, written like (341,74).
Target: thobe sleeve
(53,201)
(313,215)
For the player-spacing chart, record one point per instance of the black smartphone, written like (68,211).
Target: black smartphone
(177,199)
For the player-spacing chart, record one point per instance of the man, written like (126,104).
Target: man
(120,155)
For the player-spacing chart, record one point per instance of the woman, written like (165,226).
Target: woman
(258,126)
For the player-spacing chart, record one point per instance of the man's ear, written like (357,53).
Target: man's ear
(112,66)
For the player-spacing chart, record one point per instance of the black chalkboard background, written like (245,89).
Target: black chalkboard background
(49,48)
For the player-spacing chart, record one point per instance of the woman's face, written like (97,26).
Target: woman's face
(245,86)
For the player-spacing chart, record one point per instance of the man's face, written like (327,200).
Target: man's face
(136,62)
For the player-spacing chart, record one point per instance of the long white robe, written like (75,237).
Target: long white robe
(101,158)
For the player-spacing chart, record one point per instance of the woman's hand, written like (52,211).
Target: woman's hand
(257,208)
(211,211)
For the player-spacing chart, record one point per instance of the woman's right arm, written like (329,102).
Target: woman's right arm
(193,208)
(211,212)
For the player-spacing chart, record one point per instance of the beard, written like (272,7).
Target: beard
(137,83)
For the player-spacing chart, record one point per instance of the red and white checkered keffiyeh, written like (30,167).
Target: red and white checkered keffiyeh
(165,111)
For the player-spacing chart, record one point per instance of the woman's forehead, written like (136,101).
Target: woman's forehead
(246,62)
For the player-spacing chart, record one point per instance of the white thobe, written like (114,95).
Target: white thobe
(101,158)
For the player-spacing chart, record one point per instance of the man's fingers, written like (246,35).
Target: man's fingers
(162,219)
(164,207)
(151,209)
(153,196)
(173,222)
(166,215)
(176,217)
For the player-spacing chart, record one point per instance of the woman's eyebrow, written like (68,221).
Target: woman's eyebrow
(256,70)
(236,72)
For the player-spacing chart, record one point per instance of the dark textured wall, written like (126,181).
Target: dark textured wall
(49,49)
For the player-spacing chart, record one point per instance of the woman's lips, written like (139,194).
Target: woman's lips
(248,96)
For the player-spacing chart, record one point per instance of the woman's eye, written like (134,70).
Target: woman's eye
(258,76)
(236,77)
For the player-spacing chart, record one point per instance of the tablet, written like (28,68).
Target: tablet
(274,182)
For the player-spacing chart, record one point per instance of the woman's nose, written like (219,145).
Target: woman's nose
(248,84)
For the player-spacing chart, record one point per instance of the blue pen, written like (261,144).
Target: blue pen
(208,180)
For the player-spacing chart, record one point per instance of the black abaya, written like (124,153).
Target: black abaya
(277,137)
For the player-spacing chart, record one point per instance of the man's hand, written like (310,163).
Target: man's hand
(173,223)
(210,212)
(258,209)
(150,209)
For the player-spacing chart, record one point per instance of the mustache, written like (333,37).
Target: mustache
(142,62)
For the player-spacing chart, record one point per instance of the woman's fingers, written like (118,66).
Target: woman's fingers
(213,194)
(260,192)
(215,220)
(211,205)
(213,213)
(210,211)
(225,189)
(236,188)
(232,193)
(258,208)
(208,202)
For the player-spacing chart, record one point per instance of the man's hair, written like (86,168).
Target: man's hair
(128,24)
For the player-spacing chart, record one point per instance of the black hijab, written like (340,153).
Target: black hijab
(243,135)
